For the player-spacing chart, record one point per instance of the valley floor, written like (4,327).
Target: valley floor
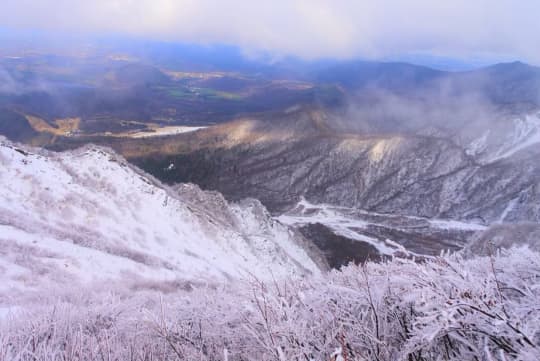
(385,234)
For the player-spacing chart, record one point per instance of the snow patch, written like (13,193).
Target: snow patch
(511,205)
(526,132)
(158,132)
(452,224)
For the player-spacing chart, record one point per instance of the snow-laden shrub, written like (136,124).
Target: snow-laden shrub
(449,308)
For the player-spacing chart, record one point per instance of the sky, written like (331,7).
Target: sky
(309,29)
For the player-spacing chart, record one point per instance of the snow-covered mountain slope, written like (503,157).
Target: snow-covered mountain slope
(504,138)
(462,173)
(87,215)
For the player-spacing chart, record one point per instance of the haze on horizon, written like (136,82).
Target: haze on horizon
(369,29)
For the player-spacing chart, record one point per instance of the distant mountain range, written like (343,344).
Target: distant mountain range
(113,94)
(378,137)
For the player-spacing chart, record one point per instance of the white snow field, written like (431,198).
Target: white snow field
(163,131)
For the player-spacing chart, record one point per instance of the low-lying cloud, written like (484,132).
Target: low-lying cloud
(306,28)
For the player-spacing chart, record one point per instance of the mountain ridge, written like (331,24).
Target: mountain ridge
(88,215)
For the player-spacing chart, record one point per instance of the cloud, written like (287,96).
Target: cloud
(306,28)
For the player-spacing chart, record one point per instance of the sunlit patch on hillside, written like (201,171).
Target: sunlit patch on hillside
(65,126)
(384,147)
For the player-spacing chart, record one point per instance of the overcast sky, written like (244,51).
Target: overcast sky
(306,28)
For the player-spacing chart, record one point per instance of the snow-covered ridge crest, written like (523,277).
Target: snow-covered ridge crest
(88,215)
